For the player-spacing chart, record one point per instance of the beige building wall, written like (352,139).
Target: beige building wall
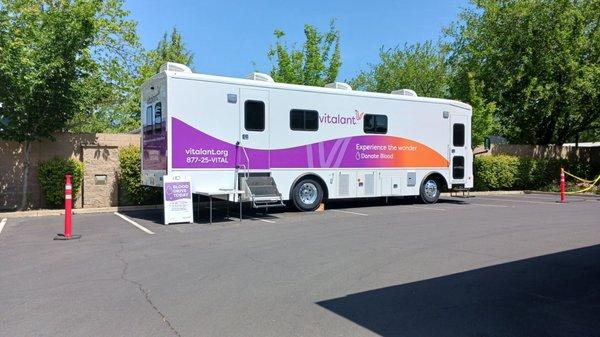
(99,152)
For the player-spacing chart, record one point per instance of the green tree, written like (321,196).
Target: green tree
(420,67)
(463,86)
(537,60)
(316,64)
(61,61)
(44,60)
(425,69)
(171,48)
(117,54)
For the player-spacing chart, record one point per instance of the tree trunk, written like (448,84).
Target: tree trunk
(26,165)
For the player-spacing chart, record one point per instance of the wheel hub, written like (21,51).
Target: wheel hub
(308,193)
(431,189)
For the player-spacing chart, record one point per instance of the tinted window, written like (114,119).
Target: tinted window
(149,122)
(158,117)
(458,131)
(254,115)
(375,124)
(458,167)
(304,120)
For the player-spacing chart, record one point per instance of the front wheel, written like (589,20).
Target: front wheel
(307,195)
(430,191)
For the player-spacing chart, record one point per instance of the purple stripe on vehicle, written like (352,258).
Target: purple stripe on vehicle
(193,148)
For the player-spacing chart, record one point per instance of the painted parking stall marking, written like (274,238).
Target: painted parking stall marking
(146,230)
(348,212)
(522,201)
(2,223)
(427,208)
(489,205)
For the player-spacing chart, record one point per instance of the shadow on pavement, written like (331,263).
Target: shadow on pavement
(550,295)
(382,201)
(201,213)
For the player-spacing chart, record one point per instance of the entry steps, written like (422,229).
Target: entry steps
(466,193)
(262,191)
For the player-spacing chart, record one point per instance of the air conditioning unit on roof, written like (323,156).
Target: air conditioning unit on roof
(405,92)
(176,67)
(339,85)
(260,77)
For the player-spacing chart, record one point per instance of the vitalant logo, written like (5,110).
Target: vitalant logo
(339,119)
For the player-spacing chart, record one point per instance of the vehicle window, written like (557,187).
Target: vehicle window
(254,115)
(458,132)
(458,167)
(304,120)
(375,124)
(158,117)
(148,125)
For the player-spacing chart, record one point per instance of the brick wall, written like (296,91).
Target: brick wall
(99,152)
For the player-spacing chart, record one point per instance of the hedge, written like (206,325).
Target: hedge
(130,181)
(51,176)
(505,172)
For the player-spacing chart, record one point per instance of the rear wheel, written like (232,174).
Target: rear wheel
(430,191)
(307,195)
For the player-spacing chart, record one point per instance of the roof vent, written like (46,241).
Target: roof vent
(405,92)
(339,85)
(260,77)
(176,67)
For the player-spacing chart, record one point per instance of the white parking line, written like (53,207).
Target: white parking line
(259,219)
(348,212)
(427,208)
(525,201)
(488,205)
(2,223)
(134,223)
(237,215)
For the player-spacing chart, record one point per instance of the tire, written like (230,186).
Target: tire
(430,191)
(307,195)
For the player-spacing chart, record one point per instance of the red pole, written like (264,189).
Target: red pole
(562,185)
(68,212)
(68,206)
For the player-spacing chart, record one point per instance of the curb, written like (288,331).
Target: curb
(568,195)
(50,212)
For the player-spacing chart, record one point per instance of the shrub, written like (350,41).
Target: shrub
(512,172)
(130,180)
(51,176)
(496,172)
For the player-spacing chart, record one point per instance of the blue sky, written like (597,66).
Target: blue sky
(226,37)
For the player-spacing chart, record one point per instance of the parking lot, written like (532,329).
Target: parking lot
(501,265)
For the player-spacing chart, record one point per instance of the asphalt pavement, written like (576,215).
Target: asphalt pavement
(504,265)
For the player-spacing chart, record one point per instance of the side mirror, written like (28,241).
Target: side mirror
(487,143)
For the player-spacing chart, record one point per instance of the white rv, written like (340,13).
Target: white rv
(281,142)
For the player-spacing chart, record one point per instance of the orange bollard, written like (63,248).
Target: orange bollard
(562,186)
(68,213)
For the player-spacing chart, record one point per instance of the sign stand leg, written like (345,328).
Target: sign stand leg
(240,202)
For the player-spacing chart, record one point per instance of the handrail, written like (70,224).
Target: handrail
(245,170)
(247,161)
